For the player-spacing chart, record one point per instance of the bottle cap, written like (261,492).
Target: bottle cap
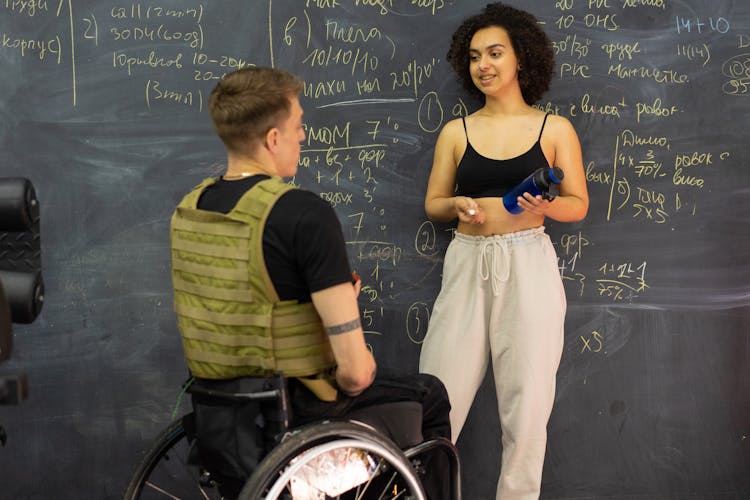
(556,174)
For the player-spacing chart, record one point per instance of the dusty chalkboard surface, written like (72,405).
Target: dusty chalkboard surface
(104,108)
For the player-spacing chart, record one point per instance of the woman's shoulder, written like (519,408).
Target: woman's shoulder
(555,120)
(558,125)
(454,125)
(453,131)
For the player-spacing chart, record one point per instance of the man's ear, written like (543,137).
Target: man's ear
(272,139)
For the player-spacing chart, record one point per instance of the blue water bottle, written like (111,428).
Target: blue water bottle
(542,183)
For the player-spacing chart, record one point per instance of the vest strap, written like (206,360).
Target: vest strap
(228,359)
(237,252)
(249,340)
(209,271)
(248,319)
(301,317)
(220,318)
(252,207)
(212,292)
(291,367)
(193,220)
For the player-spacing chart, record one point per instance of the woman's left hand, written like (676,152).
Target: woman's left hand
(533,204)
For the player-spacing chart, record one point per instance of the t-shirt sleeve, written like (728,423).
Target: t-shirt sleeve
(307,230)
(319,245)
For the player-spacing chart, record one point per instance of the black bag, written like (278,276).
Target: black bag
(232,437)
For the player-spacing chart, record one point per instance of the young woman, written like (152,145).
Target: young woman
(502,297)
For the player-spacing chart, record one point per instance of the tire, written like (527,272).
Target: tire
(390,475)
(164,471)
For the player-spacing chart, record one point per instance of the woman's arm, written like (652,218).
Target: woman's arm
(440,203)
(573,202)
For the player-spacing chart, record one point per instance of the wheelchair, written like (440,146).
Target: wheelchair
(375,453)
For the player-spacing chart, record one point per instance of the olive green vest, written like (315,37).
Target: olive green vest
(229,315)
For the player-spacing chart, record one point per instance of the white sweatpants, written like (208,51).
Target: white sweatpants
(502,299)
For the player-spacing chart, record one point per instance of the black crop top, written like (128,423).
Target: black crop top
(480,177)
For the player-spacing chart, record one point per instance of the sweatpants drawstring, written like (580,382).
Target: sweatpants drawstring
(499,266)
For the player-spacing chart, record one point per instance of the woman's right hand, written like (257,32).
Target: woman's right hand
(468,210)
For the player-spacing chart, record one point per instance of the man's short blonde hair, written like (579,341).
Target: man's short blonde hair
(247,103)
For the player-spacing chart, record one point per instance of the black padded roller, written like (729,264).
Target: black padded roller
(6,334)
(19,207)
(25,294)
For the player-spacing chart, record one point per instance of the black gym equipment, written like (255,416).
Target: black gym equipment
(21,285)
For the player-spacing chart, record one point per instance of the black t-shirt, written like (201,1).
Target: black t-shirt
(303,244)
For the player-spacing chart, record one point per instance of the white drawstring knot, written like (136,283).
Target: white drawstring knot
(498,266)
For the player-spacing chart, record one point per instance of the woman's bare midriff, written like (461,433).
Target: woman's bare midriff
(498,220)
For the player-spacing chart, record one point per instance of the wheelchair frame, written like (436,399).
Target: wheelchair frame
(298,448)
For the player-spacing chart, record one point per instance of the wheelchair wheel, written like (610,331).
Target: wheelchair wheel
(164,471)
(332,460)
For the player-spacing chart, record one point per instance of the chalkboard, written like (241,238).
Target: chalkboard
(103,108)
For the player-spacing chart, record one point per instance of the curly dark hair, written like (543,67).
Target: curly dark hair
(531,44)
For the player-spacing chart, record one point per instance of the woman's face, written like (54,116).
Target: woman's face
(493,64)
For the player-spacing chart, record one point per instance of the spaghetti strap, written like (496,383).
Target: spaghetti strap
(540,132)
(463,119)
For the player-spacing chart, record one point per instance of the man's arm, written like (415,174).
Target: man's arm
(337,307)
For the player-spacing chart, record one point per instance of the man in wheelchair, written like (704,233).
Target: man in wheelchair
(262,284)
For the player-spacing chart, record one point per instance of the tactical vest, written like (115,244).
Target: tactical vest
(229,315)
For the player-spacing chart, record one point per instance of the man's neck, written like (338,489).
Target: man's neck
(240,166)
